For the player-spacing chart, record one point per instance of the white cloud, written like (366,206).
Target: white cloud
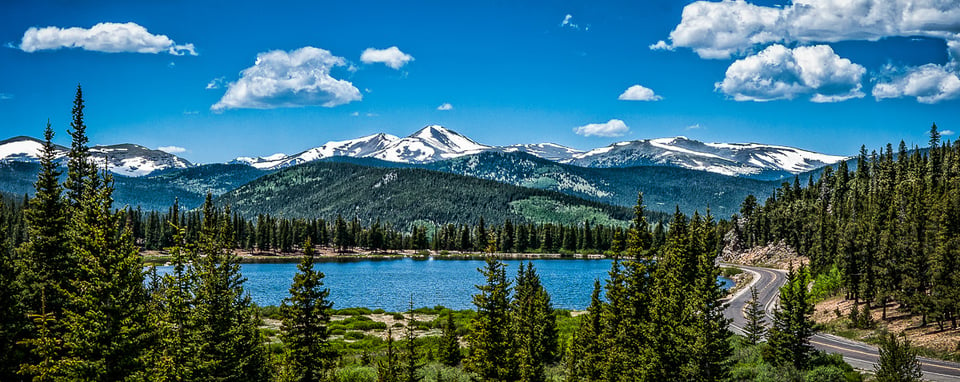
(694,126)
(172,149)
(289,79)
(947,132)
(928,83)
(778,73)
(722,29)
(355,114)
(5,96)
(217,83)
(612,128)
(639,93)
(661,45)
(391,57)
(445,106)
(103,37)
(568,22)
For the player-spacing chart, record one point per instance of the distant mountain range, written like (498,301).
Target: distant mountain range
(124,159)
(672,172)
(436,143)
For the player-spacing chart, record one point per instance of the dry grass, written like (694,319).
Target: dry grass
(929,337)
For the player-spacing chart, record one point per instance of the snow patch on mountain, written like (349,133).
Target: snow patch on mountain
(123,159)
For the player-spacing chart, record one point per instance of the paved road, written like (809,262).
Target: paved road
(857,354)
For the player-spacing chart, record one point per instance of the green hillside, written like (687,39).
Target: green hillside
(153,192)
(405,195)
(663,187)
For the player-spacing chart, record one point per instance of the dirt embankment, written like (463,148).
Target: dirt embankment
(774,255)
(834,313)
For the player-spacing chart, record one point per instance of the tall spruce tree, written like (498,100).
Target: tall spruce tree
(755,328)
(305,316)
(411,356)
(230,347)
(491,354)
(585,353)
(792,326)
(534,326)
(13,323)
(47,265)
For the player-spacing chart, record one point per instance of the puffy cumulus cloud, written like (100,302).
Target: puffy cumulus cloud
(445,106)
(392,57)
(103,37)
(289,79)
(722,29)
(928,84)
(778,73)
(612,128)
(948,132)
(172,149)
(639,93)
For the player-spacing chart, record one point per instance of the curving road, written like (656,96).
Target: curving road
(857,354)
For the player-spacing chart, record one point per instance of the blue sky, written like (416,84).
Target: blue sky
(815,75)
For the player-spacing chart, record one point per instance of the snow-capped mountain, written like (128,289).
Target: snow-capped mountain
(24,149)
(434,143)
(548,151)
(735,159)
(124,159)
(429,144)
(134,160)
(360,147)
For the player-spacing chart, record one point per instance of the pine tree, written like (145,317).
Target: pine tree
(411,356)
(585,354)
(106,329)
(13,324)
(491,354)
(898,361)
(305,316)
(448,349)
(230,345)
(534,326)
(792,327)
(639,238)
(755,328)
(388,368)
(174,304)
(79,168)
(47,264)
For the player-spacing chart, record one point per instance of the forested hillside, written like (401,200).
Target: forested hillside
(891,227)
(154,192)
(403,196)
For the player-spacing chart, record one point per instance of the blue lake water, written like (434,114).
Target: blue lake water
(390,284)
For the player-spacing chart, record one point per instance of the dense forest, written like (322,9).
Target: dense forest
(890,228)
(77,304)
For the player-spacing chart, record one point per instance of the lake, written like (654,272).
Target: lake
(389,284)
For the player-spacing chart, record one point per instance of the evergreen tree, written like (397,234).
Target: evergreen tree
(448,349)
(13,322)
(305,315)
(79,167)
(491,354)
(106,329)
(411,356)
(230,345)
(639,238)
(898,361)
(792,327)
(585,353)
(534,326)
(173,303)
(47,265)
(388,368)
(755,328)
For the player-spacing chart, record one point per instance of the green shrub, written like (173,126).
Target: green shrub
(826,285)
(353,336)
(357,374)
